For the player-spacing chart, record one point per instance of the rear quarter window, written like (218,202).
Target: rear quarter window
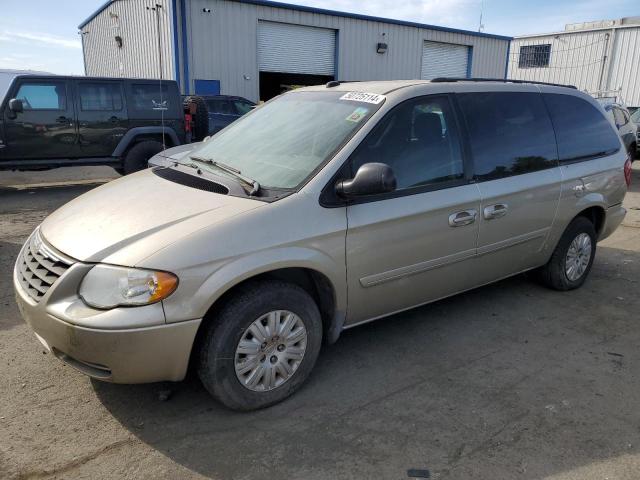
(582,131)
(153,100)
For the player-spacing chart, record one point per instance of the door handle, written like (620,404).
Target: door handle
(62,119)
(465,217)
(114,119)
(495,211)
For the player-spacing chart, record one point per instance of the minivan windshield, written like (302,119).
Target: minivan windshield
(283,142)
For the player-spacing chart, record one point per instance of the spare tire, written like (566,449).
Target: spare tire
(200,117)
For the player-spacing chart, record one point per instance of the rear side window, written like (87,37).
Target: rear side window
(150,96)
(582,131)
(100,96)
(510,133)
(219,106)
(43,96)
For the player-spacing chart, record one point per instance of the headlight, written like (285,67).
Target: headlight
(108,286)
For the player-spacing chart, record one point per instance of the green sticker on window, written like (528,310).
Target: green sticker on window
(358,114)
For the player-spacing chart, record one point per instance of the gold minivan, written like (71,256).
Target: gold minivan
(323,209)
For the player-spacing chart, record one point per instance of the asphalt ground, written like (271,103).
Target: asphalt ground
(509,381)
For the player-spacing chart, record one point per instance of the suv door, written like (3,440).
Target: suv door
(46,128)
(102,116)
(516,169)
(415,244)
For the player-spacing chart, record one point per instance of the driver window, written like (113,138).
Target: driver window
(418,140)
(43,96)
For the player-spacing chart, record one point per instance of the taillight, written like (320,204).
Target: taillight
(187,122)
(627,171)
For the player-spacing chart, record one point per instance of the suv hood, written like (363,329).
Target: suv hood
(129,219)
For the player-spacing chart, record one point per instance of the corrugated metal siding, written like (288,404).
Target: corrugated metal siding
(624,68)
(578,58)
(223,45)
(136,23)
(444,60)
(283,47)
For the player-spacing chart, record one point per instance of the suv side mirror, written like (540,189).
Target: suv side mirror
(370,179)
(16,106)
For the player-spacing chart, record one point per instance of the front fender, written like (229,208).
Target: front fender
(184,305)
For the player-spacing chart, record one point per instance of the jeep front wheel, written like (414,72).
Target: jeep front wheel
(138,156)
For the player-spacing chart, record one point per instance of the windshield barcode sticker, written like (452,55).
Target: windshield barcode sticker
(363,97)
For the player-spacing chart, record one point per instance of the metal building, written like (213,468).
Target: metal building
(257,48)
(601,58)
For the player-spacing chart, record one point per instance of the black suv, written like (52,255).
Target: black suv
(52,121)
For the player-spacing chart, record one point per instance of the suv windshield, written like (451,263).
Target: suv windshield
(283,142)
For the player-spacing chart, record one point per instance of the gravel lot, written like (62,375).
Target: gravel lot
(508,381)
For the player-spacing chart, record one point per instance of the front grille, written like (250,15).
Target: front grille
(39,266)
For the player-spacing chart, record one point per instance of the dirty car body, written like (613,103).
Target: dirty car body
(387,202)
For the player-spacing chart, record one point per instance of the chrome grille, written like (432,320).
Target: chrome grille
(39,266)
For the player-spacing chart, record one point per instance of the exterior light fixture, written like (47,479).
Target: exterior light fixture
(381,47)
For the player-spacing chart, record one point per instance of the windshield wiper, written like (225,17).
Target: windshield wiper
(255,186)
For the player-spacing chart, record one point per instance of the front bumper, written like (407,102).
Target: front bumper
(122,345)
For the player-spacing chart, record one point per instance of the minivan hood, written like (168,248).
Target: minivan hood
(126,220)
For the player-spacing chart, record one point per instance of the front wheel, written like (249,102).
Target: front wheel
(261,346)
(571,261)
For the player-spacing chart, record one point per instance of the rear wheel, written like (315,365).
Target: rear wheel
(138,156)
(571,261)
(261,346)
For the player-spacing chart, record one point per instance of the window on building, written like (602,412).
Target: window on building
(100,96)
(510,133)
(43,96)
(582,131)
(419,141)
(534,56)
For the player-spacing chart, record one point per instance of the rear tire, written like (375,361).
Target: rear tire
(571,261)
(222,358)
(137,158)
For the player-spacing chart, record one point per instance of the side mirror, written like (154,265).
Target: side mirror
(16,106)
(370,179)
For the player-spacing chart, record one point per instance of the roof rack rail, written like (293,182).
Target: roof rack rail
(503,80)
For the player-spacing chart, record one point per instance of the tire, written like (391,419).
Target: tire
(218,356)
(555,273)
(138,156)
(201,117)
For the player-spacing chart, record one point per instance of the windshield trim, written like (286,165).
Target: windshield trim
(329,157)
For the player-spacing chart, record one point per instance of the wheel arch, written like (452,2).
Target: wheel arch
(138,134)
(316,283)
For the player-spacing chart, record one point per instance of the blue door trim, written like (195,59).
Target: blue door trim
(185,49)
(506,65)
(176,44)
(469,61)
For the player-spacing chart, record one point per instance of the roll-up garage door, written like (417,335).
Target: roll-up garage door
(284,47)
(444,60)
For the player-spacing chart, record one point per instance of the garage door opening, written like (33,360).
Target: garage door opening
(291,55)
(275,83)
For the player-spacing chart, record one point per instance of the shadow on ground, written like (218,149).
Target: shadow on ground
(507,380)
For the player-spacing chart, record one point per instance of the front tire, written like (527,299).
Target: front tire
(572,259)
(261,346)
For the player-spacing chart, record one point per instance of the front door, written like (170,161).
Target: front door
(46,128)
(417,243)
(102,116)
(516,169)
